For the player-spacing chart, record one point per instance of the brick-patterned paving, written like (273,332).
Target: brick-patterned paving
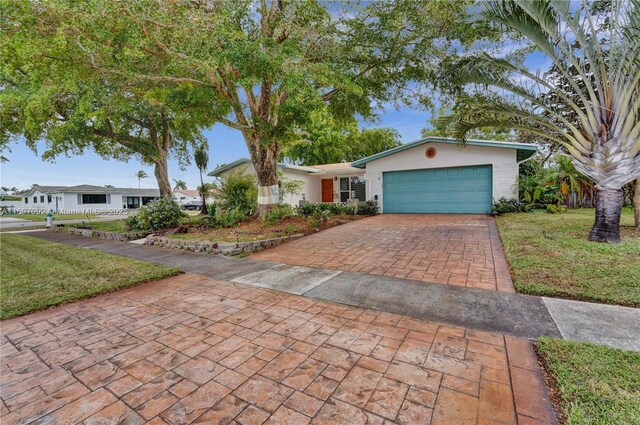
(190,349)
(461,250)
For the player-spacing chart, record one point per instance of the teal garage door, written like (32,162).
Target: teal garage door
(459,190)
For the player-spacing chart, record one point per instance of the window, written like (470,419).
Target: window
(49,198)
(26,200)
(42,198)
(352,188)
(35,199)
(133,202)
(147,199)
(94,199)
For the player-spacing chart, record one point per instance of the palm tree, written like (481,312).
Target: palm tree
(201,158)
(141,175)
(591,112)
(180,185)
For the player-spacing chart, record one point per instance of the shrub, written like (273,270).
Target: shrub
(239,191)
(212,208)
(225,218)
(310,209)
(554,209)
(278,213)
(290,229)
(368,208)
(504,205)
(161,213)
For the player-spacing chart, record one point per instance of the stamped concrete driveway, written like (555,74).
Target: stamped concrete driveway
(461,250)
(191,349)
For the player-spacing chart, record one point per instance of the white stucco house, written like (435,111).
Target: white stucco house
(85,198)
(184,196)
(430,175)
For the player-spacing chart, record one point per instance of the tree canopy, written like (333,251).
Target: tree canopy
(261,67)
(325,141)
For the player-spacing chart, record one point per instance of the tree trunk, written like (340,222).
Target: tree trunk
(162,176)
(636,204)
(203,209)
(265,161)
(608,208)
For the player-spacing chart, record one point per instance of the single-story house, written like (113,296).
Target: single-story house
(430,175)
(184,196)
(85,198)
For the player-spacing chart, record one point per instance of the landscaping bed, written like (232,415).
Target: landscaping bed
(549,254)
(37,274)
(248,236)
(91,232)
(592,384)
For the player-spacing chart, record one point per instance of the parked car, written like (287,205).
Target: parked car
(192,206)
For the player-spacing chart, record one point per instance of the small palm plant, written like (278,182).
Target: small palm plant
(141,175)
(201,158)
(592,111)
(180,185)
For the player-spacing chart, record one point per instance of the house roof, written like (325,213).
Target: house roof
(335,166)
(86,188)
(187,192)
(524,150)
(242,161)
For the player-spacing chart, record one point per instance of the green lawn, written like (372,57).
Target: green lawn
(37,274)
(595,384)
(549,255)
(117,226)
(57,217)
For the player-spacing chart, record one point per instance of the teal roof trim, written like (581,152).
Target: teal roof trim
(525,150)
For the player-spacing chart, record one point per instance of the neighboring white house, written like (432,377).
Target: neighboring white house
(184,196)
(431,175)
(85,198)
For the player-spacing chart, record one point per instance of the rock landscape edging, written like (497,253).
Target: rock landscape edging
(101,234)
(224,248)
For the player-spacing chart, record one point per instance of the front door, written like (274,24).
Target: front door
(327,190)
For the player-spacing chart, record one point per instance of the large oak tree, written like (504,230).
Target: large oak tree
(267,65)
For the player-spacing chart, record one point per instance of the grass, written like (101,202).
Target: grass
(116,226)
(37,274)
(42,217)
(595,384)
(550,255)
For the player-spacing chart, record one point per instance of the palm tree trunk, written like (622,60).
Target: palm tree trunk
(203,209)
(162,176)
(636,204)
(608,208)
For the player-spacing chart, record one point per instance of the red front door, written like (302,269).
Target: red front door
(327,190)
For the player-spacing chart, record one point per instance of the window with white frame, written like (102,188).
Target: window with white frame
(352,188)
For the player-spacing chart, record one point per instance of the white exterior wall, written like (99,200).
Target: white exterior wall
(70,202)
(504,165)
(312,190)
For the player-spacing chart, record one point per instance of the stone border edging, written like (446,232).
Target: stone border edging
(100,234)
(224,248)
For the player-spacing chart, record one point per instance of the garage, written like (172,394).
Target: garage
(437,175)
(452,190)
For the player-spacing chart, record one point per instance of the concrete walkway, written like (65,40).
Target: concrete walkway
(514,314)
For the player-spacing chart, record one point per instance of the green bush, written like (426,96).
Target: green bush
(504,205)
(212,208)
(310,209)
(368,208)
(161,213)
(554,209)
(239,192)
(225,218)
(278,213)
